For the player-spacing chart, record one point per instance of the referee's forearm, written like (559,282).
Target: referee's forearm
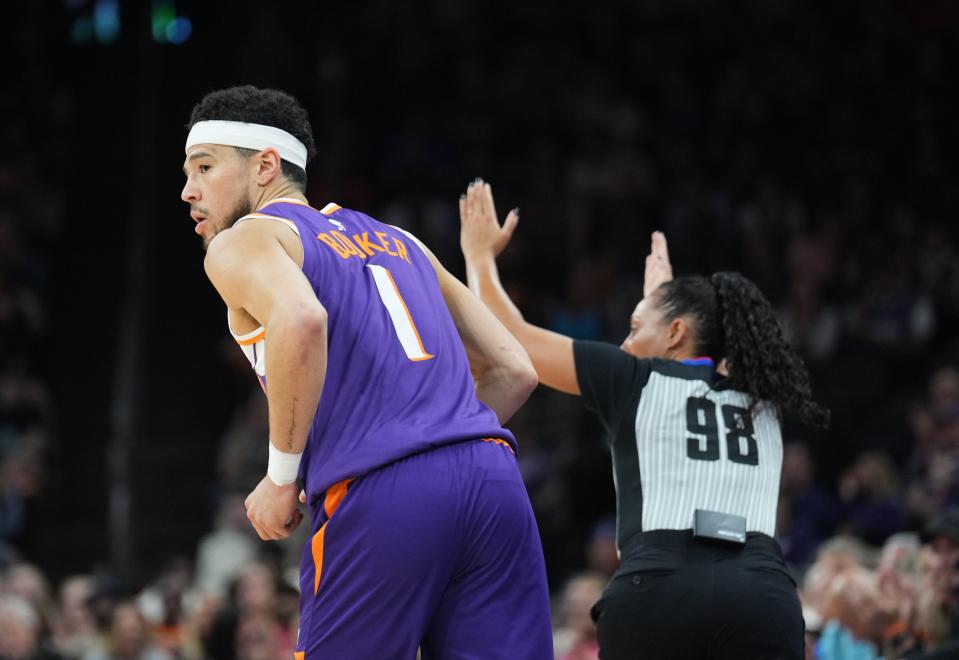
(482,277)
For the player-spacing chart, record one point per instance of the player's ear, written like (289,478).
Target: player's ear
(268,166)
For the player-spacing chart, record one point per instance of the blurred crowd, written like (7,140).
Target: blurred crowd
(808,146)
(30,217)
(251,616)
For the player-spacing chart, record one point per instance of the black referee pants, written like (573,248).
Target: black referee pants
(678,597)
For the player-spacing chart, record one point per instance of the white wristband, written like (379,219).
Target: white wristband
(283,468)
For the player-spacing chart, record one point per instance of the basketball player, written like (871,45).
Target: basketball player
(691,403)
(422,532)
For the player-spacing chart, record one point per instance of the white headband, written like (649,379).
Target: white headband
(248,136)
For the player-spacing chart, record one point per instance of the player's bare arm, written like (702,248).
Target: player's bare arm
(253,270)
(504,374)
(482,239)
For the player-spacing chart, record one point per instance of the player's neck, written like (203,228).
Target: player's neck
(281,189)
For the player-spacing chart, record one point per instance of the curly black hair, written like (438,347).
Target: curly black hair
(733,321)
(270,107)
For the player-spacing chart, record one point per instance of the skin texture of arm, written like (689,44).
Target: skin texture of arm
(481,239)
(253,272)
(252,269)
(504,375)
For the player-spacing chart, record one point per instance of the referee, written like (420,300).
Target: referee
(691,403)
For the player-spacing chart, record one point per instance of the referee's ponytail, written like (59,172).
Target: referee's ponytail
(733,320)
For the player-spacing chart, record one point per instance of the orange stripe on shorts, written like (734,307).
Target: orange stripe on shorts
(334,496)
(299,655)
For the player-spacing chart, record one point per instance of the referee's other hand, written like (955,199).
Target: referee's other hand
(658,269)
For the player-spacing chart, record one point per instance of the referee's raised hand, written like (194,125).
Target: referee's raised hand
(481,235)
(658,268)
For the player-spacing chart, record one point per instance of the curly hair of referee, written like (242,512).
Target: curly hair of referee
(735,322)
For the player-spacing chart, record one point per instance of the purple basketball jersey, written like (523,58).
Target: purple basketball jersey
(398,380)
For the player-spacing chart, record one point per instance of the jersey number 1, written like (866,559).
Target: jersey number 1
(702,420)
(399,314)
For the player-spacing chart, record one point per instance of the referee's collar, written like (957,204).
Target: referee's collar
(700,362)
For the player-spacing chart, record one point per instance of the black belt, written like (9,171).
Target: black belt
(683,539)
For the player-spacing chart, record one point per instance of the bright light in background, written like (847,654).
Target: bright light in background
(179,30)
(106,21)
(101,24)
(167,26)
(163,14)
(100,21)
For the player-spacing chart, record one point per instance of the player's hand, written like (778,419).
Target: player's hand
(273,509)
(658,269)
(481,236)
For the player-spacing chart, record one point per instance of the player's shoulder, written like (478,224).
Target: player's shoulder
(351,221)
(230,241)
(244,240)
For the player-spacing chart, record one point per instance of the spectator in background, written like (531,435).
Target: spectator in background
(202,611)
(252,596)
(256,638)
(833,558)
(856,617)
(898,579)
(161,604)
(223,552)
(808,513)
(856,612)
(602,557)
(575,633)
(240,460)
(808,323)
(256,588)
(897,576)
(23,443)
(937,621)
(933,470)
(891,311)
(873,507)
(26,580)
(287,614)
(257,597)
(107,593)
(20,631)
(74,629)
(908,607)
(129,637)
(944,392)
(814,623)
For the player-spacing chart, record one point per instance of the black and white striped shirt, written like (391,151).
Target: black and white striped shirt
(680,441)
